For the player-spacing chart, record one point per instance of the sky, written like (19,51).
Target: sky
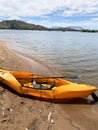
(52,13)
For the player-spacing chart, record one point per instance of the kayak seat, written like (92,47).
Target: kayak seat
(43,87)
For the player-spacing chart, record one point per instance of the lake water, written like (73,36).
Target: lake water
(69,53)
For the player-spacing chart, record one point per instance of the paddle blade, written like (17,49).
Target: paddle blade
(72,77)
(94,96)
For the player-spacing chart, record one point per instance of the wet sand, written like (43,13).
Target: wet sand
(26,113)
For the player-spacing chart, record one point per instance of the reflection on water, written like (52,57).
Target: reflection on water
(73,53)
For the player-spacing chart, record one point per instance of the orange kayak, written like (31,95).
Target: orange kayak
(44,87)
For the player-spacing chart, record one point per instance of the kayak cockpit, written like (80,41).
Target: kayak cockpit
(35,85)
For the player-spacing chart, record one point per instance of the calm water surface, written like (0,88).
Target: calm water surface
(73,53)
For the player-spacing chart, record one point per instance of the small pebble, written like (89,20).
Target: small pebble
(27,129)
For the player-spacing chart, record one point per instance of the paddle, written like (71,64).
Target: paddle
(69,77)
(94,96)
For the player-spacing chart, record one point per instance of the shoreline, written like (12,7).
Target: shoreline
(23,113)
(31,58)
(35,66)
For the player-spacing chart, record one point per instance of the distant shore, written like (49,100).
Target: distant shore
(21,25)
(26,113)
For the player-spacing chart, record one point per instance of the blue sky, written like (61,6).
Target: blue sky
(52,13)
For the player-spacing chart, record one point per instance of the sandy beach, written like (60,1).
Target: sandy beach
(26,113)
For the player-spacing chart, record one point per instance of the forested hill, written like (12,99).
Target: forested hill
(16,24)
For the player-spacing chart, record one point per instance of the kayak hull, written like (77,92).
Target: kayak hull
(63,89)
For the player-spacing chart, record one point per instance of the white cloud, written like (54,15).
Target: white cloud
(15,9)
(94,19)
(81,7)
(14,17)
(43,7)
